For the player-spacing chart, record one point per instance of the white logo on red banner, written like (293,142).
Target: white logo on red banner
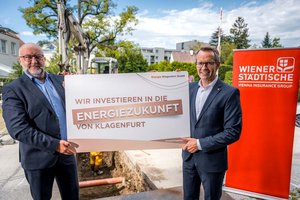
(285,64)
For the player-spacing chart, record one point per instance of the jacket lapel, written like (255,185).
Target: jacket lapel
(36,92)
(194,90)
(216,89)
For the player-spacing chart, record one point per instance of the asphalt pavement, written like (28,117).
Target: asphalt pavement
(161,167)
(13,184)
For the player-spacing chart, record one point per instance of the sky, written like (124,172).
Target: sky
(163,23)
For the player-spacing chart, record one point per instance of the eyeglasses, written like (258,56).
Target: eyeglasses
(208,64)
(28,58)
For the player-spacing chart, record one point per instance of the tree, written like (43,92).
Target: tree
(226,44)
(269,43)
(132,61)
(276,42)
(228,77)
(129,56)
(227,50)
(240,34)
(197,46)
(223,70)
(17,71)
(266,43)
(229,59)
(215,37)
(53,66)
(97,19)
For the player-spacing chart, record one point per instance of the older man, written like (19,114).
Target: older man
(34,114)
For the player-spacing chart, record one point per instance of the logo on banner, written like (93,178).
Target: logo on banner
(277,75)
(285,64)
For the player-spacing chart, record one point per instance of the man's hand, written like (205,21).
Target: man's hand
(66,148)
(190,145)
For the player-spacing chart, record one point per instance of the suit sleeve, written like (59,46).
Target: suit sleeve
(232,125)
(20,127)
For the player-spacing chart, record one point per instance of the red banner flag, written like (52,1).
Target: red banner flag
(260,162)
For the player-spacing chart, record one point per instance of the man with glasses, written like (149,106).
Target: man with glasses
(216,121)
(34,114)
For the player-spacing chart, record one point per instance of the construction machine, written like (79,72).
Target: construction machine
(68,27)
(103,65)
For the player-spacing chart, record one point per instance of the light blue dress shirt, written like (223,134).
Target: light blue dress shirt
(55,101)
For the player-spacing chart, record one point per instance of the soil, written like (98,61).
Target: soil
(113,165)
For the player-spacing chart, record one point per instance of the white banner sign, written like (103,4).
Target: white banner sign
(107,112)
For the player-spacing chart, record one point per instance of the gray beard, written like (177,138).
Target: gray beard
(37,75)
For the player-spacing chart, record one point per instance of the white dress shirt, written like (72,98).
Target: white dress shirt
(201,97)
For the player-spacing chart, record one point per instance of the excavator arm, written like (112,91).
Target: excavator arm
(68,27)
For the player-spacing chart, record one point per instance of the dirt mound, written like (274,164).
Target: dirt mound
(114,165)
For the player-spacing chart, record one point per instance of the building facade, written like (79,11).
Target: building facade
(180,54)
(9,50)
(156,54)
(190,45)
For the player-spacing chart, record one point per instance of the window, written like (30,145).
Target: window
(13,48)
(3,46)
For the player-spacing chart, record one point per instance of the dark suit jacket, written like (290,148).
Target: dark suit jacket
(30,119)
(219,125)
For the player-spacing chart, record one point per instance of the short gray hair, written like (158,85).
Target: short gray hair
(30,45)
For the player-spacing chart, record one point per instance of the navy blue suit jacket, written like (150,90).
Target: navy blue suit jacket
(219,125)
(30,119)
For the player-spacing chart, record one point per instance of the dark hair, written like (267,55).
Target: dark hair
(214,50)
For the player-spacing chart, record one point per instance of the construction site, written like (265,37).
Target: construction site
(114,175)
(111,176)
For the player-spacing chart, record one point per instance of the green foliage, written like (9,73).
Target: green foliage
(215,37)
(98,20)
(266,43)
(229,59)
(163,66)
(240,34)
(129,56)
(227,50)
(6,80)
(228,77)
(132,61)
(17,71)
(276,43)
(227,44)
(53,66)
(269,43)
(223,70)
(42,17)
(295,194)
